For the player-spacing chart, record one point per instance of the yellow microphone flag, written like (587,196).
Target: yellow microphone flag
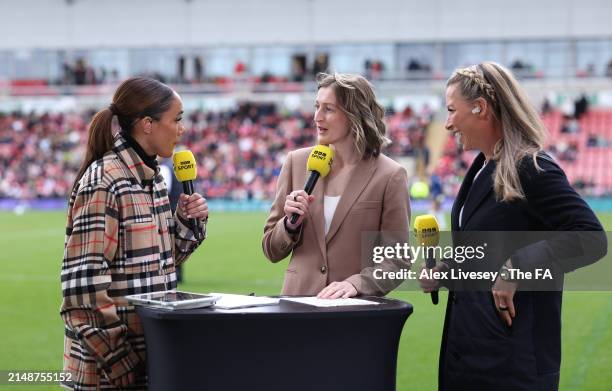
(185,167)
(426,230)
(320,160)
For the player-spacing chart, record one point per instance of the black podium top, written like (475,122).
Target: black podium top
(285,309)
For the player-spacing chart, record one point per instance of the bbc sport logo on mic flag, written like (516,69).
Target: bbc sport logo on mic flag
(320,160)
(185,167)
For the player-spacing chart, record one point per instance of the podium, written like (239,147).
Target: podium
(289,346)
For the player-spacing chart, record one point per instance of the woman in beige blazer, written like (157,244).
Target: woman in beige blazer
(365,192)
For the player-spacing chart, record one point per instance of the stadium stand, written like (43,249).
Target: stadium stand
(239,151)
(584,151)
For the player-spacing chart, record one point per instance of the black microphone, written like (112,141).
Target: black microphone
(319,163)
(427,232)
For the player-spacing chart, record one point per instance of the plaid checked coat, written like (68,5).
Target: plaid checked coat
(121,239)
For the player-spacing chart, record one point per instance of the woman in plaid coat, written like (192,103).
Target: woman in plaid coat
(121,237)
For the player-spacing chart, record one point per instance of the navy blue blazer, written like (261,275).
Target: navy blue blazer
(479,352)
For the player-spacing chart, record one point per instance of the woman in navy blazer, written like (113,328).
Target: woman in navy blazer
(498,338)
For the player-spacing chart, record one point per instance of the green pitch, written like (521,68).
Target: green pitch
(231,261)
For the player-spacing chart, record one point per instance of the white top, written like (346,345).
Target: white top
(475,176)
(329,208)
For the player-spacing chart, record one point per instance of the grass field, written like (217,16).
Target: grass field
(231,261)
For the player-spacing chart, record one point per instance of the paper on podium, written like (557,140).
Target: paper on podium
(329,302)
(230,301)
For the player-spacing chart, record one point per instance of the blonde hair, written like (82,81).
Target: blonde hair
(523,133)
(356,99)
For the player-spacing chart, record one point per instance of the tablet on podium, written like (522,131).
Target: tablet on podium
(173,300)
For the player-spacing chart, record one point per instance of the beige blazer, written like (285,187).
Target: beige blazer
(376,199)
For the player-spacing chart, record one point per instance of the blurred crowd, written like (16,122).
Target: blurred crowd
(40,154)
(239,152)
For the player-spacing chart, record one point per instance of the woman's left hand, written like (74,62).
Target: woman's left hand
(193,206)
(337,290)
(503,294)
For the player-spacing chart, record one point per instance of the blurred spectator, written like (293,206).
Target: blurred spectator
(518,65)
(267,77)
(180,76)
(83,74)
(80,73)
(438,213)
(68,77)
(582,185)
(524,69)
(546,107)
(570,152)
(435,187)
(581,106)
(198,69)
(414,65)
(298,68)
(569,125)
(565,151)
(609,69)
(426,113)
(373,68)
(321,63)
(239,68)
(417,69)
(595,141)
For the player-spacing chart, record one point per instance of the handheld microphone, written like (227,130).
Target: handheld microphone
(185,169)
(319,163)
(427,234)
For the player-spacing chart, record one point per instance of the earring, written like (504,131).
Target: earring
(476,110)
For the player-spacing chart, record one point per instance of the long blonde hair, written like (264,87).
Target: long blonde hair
(357,100)
(523,133)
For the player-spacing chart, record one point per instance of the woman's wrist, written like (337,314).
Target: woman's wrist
(292,231)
